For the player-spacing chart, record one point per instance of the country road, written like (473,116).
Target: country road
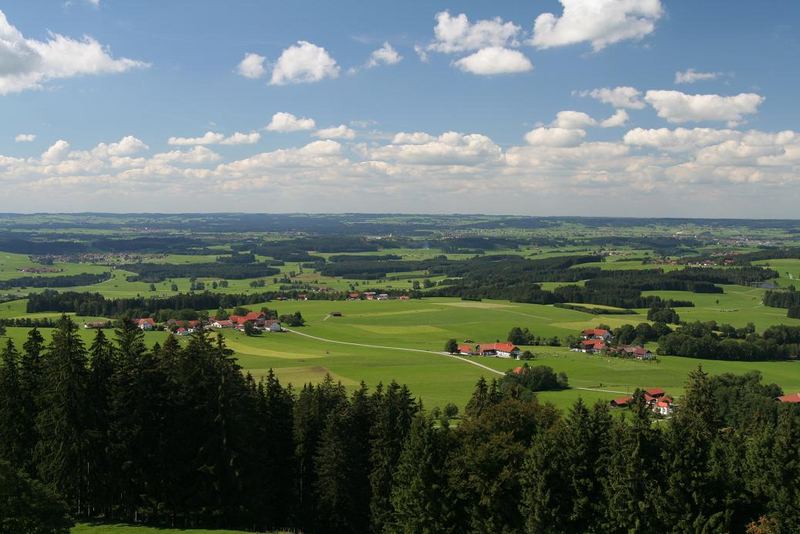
(466,360)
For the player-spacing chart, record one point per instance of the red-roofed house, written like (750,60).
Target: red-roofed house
(506,350)
(258,319)
(640,353)
(663,407)
(145,324)
(467,350)
(596,333)
(622,401)
(655,392)
(593,345)
(791,398)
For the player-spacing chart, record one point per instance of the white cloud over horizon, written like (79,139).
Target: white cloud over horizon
(286,122)
(677,107)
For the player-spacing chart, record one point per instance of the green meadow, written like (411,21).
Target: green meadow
(370,340)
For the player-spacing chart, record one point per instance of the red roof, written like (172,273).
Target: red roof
(465,348)
(251,316)
(596,344)
(518,370)
(146,320)
(792,397)
(500,347)
(655,392)
(599,332)
(662,404)
(622,401)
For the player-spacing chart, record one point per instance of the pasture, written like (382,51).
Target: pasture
(380,341)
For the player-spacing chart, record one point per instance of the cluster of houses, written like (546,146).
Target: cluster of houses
(594,340)
(503,350)
(373,295)
(658,400)
(259,321)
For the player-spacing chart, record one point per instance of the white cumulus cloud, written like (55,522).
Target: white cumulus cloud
(555,136)
(336,132)
(29,63)
(252,66)
(457,34)
(215,138)
(385,55)
(25,138)
(303,62)
(599,22)
(495,60)
(56,152)
(286,122)
(676,107)
(692,76)
(619,97)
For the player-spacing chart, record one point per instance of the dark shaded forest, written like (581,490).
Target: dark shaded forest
(177,435)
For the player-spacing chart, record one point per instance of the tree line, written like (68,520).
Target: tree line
(67,280)
(724,342)
(177,435)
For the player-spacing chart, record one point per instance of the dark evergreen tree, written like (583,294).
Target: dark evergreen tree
(61,451)
(28,506)
(394,411)
(13,424)
(421,497)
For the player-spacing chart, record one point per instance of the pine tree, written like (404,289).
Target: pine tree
(31,383)
(421,498)
(631,482)
(99,469)
(342,464)
(394,411)
(691,492)
(12,410)
(61,452)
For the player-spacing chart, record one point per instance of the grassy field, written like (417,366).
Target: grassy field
(365,344)
(788,270)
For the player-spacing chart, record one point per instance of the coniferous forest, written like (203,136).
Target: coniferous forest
(177,435)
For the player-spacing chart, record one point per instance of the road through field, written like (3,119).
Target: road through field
(407,349)
(325,340)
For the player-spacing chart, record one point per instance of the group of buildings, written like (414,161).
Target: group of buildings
(259,321)
(373,295)
(503,350)
(656,398)
(598,340)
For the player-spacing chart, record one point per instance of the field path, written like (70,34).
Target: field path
(495,371)
(407,349)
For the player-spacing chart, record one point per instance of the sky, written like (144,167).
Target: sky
(664,108)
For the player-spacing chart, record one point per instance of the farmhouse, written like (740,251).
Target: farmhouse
(596,333)
(793,398)
(353,295)
(630,351)
(656,399)
(221,323)
(503,350)
(145,324)
(257,318)
(593,345)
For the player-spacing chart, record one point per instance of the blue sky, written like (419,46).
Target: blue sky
(594,107)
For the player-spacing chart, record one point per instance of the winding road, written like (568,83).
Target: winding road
(446,354)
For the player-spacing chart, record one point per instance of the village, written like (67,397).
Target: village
(257,321)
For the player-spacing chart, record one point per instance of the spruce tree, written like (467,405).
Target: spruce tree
(421,498)
(13,425)
(61,452)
